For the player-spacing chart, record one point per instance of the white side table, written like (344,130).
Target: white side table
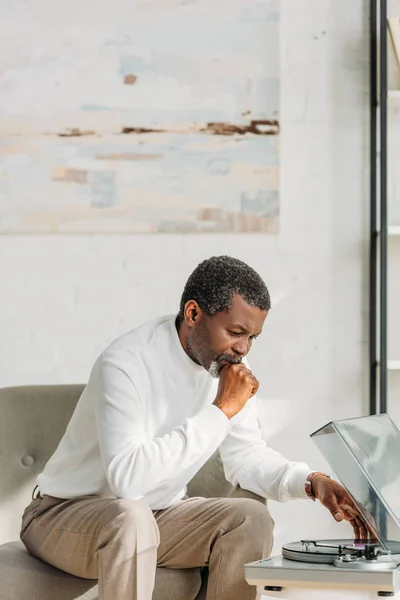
(284,579)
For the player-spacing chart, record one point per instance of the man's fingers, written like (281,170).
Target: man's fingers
(354,525)
(255,383)
(370,524)
(353,516)
(359,529)
(362,530)
(360,526)
(335,511)
(341,506)
(350,506)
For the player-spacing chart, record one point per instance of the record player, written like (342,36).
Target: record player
(364,453)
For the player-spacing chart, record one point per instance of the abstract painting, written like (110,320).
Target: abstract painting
(140,116)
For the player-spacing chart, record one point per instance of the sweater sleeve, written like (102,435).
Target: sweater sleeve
(250,463)
(136,464)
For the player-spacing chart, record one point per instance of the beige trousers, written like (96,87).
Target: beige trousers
(120,542)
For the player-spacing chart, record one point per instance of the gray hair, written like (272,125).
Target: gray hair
(214,282)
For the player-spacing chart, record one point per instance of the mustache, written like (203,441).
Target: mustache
(233,360)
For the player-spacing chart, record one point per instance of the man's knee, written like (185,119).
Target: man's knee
(257,521)
(262,524)
(132,520)
(248,508)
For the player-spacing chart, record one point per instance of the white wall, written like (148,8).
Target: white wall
(64,298)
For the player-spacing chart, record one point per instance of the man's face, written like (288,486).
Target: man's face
(225,337)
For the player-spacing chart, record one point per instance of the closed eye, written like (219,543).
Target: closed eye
(239,333)
(235,333)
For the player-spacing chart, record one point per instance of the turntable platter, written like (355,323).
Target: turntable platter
(321,551)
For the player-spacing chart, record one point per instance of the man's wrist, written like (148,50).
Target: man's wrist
(308,485)
(223,408)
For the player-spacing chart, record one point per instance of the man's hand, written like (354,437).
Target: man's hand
(237,385)
(336,499)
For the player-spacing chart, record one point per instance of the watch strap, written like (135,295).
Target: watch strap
(308,483)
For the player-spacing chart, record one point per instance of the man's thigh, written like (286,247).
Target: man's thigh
(190,528)
(67,533)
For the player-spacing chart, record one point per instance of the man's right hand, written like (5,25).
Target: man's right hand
(237,385)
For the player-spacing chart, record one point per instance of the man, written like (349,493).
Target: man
(159,402)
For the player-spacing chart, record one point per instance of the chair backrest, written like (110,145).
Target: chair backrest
(32,422)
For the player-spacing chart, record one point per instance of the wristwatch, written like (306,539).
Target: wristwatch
(308,483)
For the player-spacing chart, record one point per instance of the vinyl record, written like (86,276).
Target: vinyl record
(315,551)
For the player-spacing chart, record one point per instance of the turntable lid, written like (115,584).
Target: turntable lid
(365,455)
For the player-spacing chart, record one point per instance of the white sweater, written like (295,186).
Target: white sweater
(145,424)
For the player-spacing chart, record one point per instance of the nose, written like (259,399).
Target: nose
(241,346)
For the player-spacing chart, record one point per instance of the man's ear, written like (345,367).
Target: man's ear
(192,313)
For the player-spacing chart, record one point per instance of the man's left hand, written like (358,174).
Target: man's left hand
(341,506)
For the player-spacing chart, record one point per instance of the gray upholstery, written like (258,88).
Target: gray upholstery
(32,421)
(24,577)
